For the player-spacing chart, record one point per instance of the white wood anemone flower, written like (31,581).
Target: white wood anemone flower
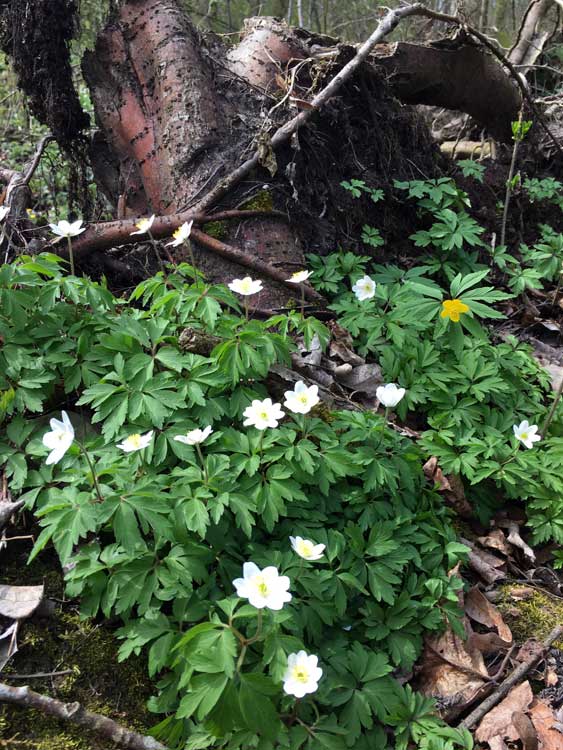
(263,414)
(307,549)
(246,286)
(299,277)
(527,433)
(364,288)
(136,442)
(59,439)
(389,395)
(302,398)
(68,229)
(4,211)
(302,674)
(263,588)
(181,234)
(195,437)
(144,225)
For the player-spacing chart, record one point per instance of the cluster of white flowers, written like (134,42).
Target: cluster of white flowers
(264,414)
(264,588)
(267,589)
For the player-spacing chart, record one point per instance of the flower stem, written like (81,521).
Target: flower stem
(91,465)
(302,300)
(71,256)
(383,426)
(156,252)
(192,258)
(549,418)
(246,307)
(203,464)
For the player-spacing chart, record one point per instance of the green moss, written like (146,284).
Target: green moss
(64,641)
(217,229)
(534,616)
(262,201)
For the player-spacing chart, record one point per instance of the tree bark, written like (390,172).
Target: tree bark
(531,37)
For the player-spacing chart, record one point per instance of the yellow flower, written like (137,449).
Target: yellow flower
(453,308)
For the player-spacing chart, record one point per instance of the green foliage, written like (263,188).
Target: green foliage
(548,189)
(157,536)
(471,168)
(470,387)
(520,129)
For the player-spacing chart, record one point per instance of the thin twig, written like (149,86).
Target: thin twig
(43,143)
(513,679)
(76,714)
(37,675)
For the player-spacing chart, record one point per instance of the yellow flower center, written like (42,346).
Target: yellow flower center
(303,398)
(261,586)
(135,440)
(453,308)
(305,548)
(300,674)
(524,435)
(263,415)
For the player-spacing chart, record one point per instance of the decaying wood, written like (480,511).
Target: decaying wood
(76,714)
(513,679)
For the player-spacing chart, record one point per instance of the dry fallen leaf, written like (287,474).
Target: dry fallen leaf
(521,593)
(481,610)
(363,378)
(450,485)
(515,539)
(18,602)
(498,722)
(484,563)
(526,730)
(495,540)
(551,677)
(488,643)
(544,722)
(450,668)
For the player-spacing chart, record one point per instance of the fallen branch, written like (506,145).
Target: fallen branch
(76,714)
(513,679)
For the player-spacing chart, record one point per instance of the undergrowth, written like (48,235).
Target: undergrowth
(158,530)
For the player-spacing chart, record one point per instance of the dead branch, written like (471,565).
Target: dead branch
(513,679)
(76,714)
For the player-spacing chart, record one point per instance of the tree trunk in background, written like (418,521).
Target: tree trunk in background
(531,37)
